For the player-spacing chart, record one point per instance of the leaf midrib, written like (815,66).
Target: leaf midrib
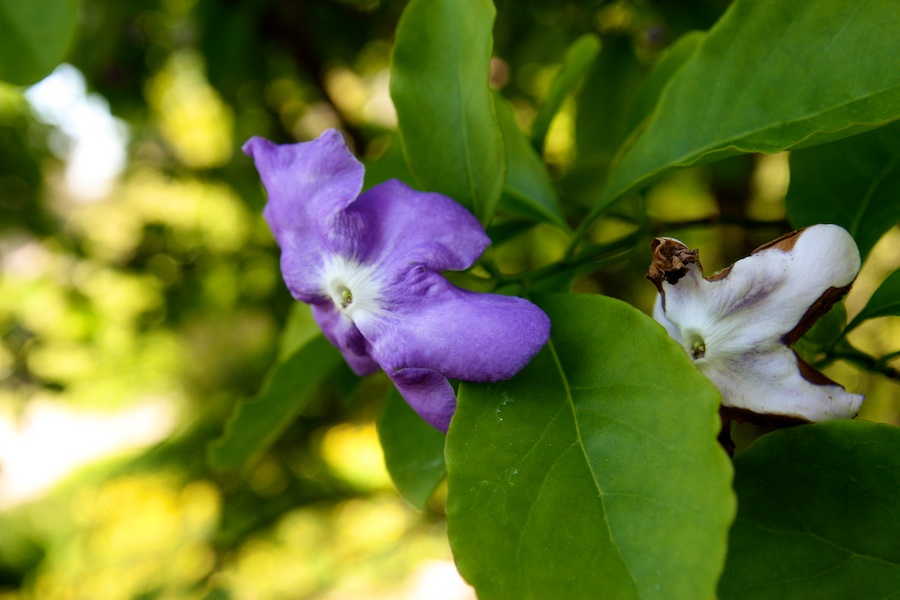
(570,402)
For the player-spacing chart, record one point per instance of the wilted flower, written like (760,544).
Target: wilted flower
(739,324)
(370,264)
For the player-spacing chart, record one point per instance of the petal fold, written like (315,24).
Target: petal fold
(461,334)
(407,227)
(428,393)
(772,383)
(308,185)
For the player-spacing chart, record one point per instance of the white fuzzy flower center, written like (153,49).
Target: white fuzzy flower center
(353,287)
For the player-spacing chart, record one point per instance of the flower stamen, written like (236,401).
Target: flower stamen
(346,297)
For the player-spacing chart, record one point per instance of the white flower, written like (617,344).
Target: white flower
(739,324)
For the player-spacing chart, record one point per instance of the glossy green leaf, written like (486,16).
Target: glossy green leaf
(595,472)
(258,422)
(817,515)
(885,302)
(34,37)
(578,59)
(854,183)
(413,450)
(528,191)
(439,83)
(771,76)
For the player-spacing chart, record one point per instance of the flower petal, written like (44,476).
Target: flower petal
(763,298)
(461,334)
(343,335)
(772,383)
(428,393)
(404,226)
(308,185)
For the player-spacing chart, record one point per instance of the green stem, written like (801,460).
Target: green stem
(856,357)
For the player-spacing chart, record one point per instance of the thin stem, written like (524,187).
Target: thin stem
(861,359)
(601,253)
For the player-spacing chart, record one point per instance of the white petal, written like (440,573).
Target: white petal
(771,383)
(660,316)
(765,295)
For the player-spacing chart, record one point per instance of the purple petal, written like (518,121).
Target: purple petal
(308,185)
(428,393)
(344,336)
(460,334)
(405,227)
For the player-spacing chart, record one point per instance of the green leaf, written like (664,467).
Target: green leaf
(605,100)
(578,59)
(770,76)
(390,165)
(413,450)
(439,83)
(885,302)
(824,334)
(817,515)
(528,191)
(34,37)
(854,183)
(288,387)
(669,63)
(593,473)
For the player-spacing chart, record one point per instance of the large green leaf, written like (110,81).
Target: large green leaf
(579,57)
(34,36)
(817,515)
(595,472)
(439,83)
(854,183)
(770,76)
(289,386)
(528,190)
(413,450)
(885,302)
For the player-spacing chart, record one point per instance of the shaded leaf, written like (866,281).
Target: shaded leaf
(413,450)
(528,191)
(669,63)
(885,302)
(817,514)
(258,422)
(770,76)
(34,37)
(854,183)
(578,59)
(439,83)
(561,479)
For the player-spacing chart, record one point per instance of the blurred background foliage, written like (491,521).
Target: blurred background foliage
(140,297)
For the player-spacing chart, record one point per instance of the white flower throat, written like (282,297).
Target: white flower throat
(353,287)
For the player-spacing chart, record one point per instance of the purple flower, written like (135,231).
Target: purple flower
(369,265)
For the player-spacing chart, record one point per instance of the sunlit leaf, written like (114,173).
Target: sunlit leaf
(885,302)
(593,473)
(579,57)
(817,515)
(439,83)
(413,450)
(854,183)
(771,76)
(258,422)
(34,37)
(528,190)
